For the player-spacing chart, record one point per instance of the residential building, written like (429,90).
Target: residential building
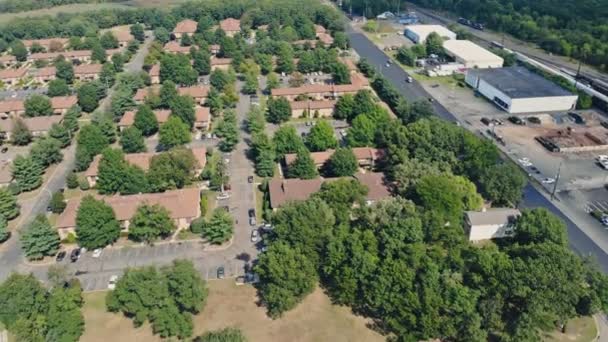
(471,54)
(11,108)
(324,91)
(214,49)
(378,187)
(38,125)
(61,104)
(198,93)
(326,39)
(8,61)
(220,63)
(143,160)
(175,47)
(123,36)
(142,93)
(230,26)
(492,223)
(45,75)
(76,55)
(128,118)
(319,30)
(310,108)
(6,174)
(50,44)
(87,72)
(112,52)
(202,118)
(155,74)
(310,42)
(419,33)
(282,191)
(366,156)
(185,27)
(11,77)
(518,90)
(183,206)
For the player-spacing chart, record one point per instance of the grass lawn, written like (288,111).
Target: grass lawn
(229,305)
(72,8)
(581,329)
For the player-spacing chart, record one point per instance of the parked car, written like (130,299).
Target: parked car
(533,119)
(255,236)
(60,256)
(548,181)
(112,282)
(4,149)
(485,121)
(97,253)
(409,79)
(252,221)
(577,118)
(516,120)
(250,179)
(75,254)
(220,272)
(222,196)
(251,212)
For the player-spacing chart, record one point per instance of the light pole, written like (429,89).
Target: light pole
(559,169)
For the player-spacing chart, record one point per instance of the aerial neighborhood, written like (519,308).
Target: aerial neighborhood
(284,170)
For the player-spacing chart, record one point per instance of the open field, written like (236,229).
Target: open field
(316,319)
(72,8)
(582,329)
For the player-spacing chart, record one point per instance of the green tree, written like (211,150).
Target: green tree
(178,69)
(285,58)
(279,110)
(264,154)
(38,105)
(224,335)
(307,62)
(172,169)
(174,132)
(186,285)
(228,131)
(434,44)
(64,70)
(72,180)
(345,108)
(265,62)
(256,121)
(108,40)
(65,321)
(46,151)
(58,87)
(19,51)
(220,227)
(162,35)
(406,56)
(151,222)
(168,94)
(286,140)
(502,184)
(4,233)
(40,239)
(183,108)
(87,97)
(540,226)
(132,141)
(303,166)
(342,163)
(98,53)
(145,121)
(219,79)
(22,297)
(59,133)
(272,82)
(21,134)
(137,31)
(9,208)
(121,101)
(362,132)
(27,173)
(251,84)
(96,224)
(340,73)
(286,277)
(201,62)
(70,120)
(90,142)
(321,137)
(111,171)
(340,195)
(57,203)
(107,76)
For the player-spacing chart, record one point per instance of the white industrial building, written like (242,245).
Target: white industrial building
(518,90)
(419,33)
(489,224)
(471,54)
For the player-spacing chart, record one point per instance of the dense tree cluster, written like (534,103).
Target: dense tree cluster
(32,313)
(167,298)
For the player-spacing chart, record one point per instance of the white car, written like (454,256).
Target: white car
(223,196)
(97,253)
(548,181)
(602,157)
(255,236)
(112,282)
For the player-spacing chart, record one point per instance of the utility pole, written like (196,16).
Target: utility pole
(578,72)
(559,169)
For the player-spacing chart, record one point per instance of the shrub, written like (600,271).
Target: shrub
(83,184)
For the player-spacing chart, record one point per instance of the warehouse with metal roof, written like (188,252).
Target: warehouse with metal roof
(419,33)
(471,55)
(518,90)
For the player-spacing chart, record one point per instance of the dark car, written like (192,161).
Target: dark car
(60,256)
(4,149)
(220,272)
(251,212)
(225,207)
(516,120)
(250,179)
(75,254)
(577,118)
(485,121)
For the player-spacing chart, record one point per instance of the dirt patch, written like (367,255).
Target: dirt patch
(229,305)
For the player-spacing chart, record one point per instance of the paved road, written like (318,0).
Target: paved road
(579,241)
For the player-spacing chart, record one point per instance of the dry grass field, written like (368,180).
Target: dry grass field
(229,305)
(72,8)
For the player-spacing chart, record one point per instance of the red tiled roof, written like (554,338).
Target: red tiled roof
(85,69)
(325,38)
(202,114)
(221,61)
(286,190)
(370,153)
(128,118)
(319,158)
(66,54)
(123,35)
(141,94)
(319,29)
(230,25)
(46,72)
(12,73)
(183,203)
(194,91)
(63,102)
(8,58)
(186,26)
(155,70)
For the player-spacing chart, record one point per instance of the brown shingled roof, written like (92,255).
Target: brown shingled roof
(230,25)
(313,105)
(194,91)
(7,58)
(376,184)
(221,61)
(46,43)
(46,72)
(183,203)
(319,158)
(12,73)
(84,69)
(63,102)
(175,47)
(319,29)
(128,118)
(155,70)
(141,94)
(202,114)
(186,26)
(325,38)
(11,105)
(286,190)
